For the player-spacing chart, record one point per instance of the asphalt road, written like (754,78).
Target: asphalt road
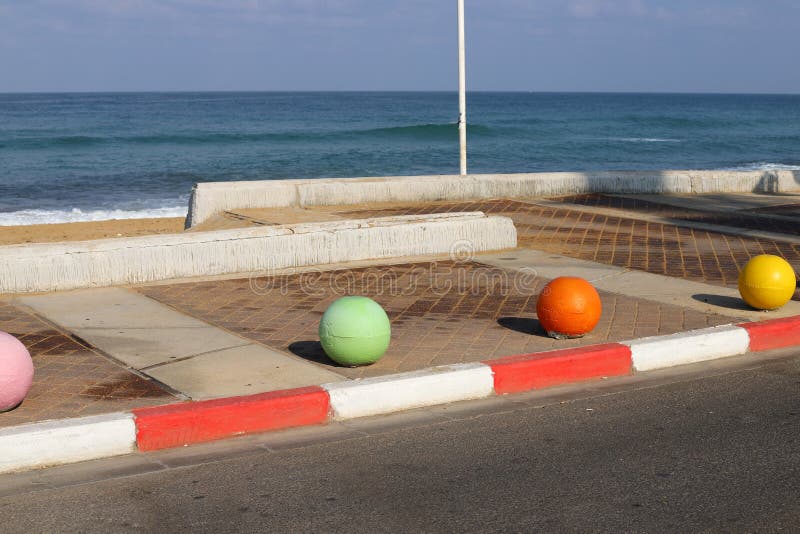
(709,448)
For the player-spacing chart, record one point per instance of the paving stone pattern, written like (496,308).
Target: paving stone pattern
(739,219)
(71,379)
(670,250)
(791,209)
(441,313)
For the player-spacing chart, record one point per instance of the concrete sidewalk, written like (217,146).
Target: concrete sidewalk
(663,265)
(72,378)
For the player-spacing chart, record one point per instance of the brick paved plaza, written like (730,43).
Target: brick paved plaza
(700,255)
(441,313)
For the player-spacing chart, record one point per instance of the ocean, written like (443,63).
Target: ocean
(78,157)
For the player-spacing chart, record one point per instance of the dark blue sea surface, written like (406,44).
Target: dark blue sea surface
(98,156)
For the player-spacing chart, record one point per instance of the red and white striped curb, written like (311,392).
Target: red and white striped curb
(175,425)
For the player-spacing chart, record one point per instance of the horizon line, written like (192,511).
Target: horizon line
(446,91)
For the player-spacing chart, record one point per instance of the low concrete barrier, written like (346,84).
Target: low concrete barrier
(214,197)
(124,261)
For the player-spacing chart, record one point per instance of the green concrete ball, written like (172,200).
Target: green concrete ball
(355,331)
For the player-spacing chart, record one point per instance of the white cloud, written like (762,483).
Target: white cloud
(731,16)
(700,13)
(308,11)
(596,8)
(213,18)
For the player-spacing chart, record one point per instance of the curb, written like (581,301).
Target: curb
(147,429)
(174,425)
(66,441)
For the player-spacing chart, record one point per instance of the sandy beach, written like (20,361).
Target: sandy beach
(80,231)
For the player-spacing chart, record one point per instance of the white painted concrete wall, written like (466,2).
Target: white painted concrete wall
(124,261)
(214,197)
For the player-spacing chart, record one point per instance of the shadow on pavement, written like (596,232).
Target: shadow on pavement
(311,351)
(722,301)
(523,325)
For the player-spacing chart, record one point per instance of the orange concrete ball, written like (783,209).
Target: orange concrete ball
(569,307)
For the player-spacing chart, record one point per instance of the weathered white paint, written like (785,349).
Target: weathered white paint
(404,391)
(123,261)
(210,198)
(688,347)
(66,441)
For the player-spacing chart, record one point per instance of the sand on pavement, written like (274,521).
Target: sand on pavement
(80,231)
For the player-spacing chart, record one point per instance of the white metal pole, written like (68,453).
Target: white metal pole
(462,90)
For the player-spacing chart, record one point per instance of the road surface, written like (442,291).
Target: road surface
(706,447)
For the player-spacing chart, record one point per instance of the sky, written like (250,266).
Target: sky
(729,46)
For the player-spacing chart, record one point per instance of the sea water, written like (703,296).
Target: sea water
(70,157)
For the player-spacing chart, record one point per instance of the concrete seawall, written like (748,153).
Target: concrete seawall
(124,261)
(214,197)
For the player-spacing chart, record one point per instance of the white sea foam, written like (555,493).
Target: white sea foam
(763,166)
(645,140)
(24,217)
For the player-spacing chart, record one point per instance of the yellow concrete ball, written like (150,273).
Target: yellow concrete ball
(767,282)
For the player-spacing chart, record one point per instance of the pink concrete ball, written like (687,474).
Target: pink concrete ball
(16,372)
